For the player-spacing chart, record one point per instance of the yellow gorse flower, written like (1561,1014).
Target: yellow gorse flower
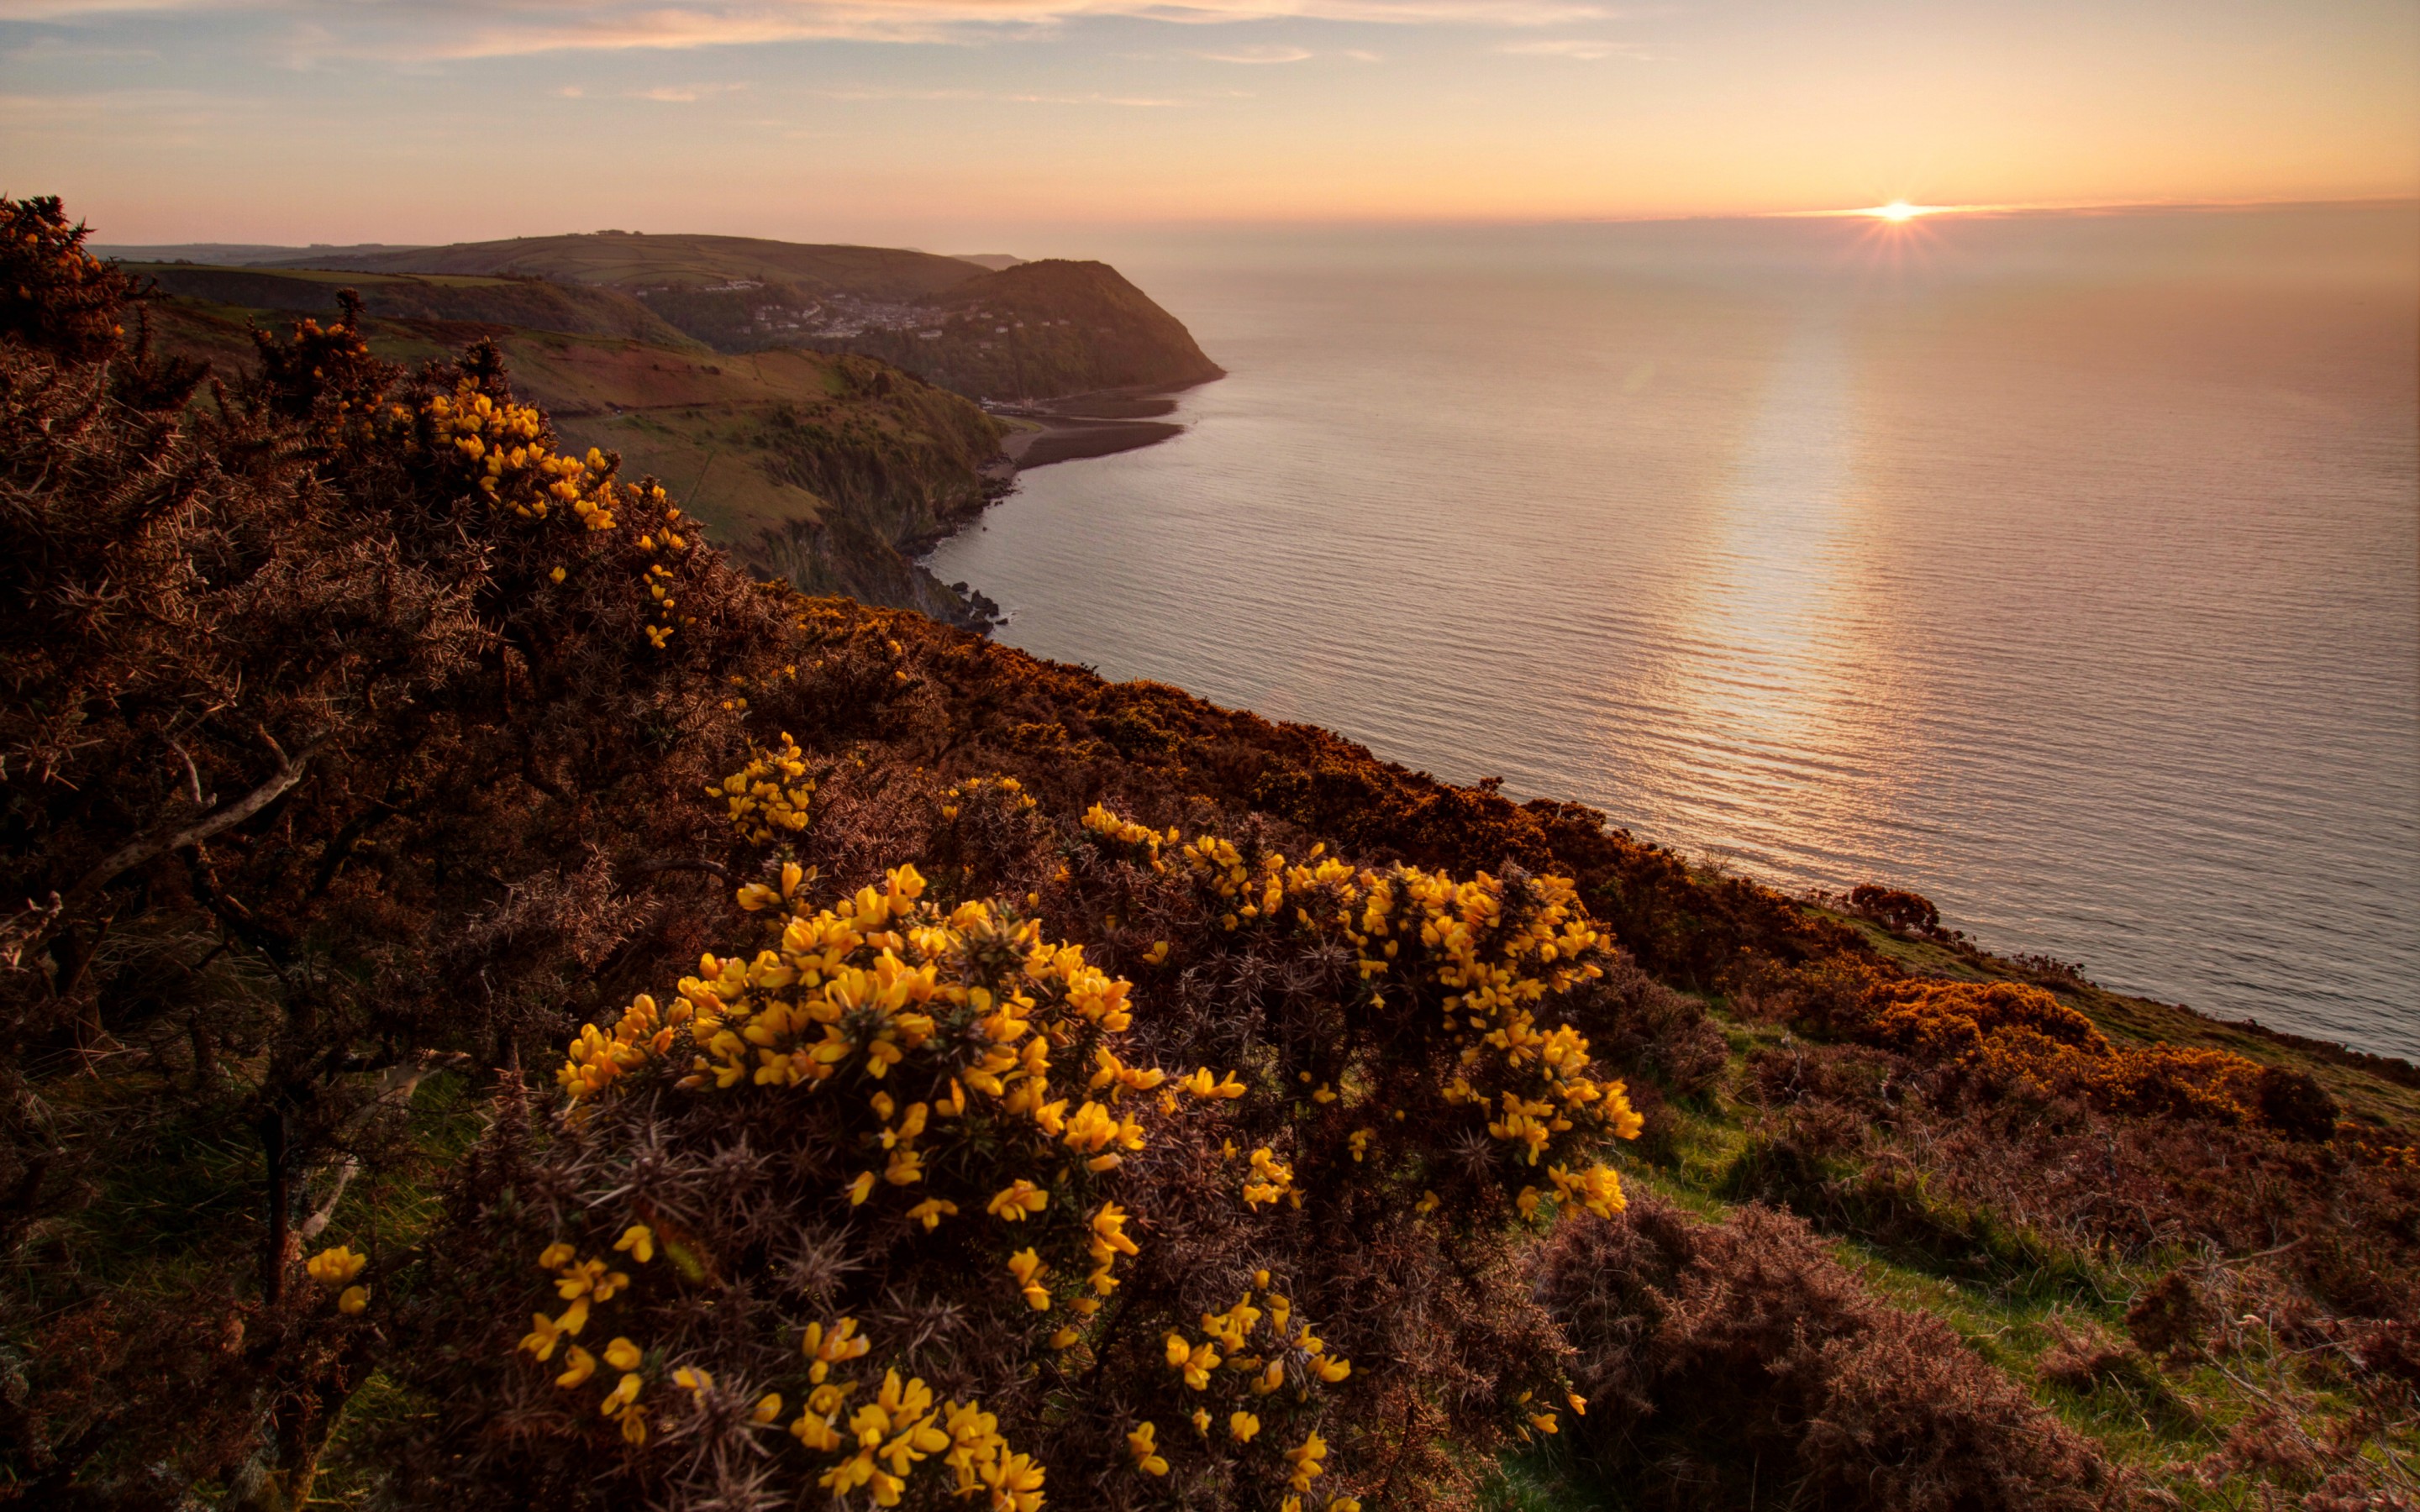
(1027,1267)
(578,1367)
(1110,827)
(767,799)
(1147,1459)
(828,1347)
(1271,1179)
(1305,1459)
(1195,1359)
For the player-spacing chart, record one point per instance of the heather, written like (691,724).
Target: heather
(511,1006)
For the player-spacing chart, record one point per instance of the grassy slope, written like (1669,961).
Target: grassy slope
(2152,1423)
(1038,330)
(680,262)
(506,301)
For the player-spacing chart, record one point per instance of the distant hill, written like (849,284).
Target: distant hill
(237,253)
(1043,329)
(636,263)
(527,303)
(984,325)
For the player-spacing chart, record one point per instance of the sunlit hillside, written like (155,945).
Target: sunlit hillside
(1032,330)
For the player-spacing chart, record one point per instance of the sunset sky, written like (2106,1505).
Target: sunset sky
(966,123)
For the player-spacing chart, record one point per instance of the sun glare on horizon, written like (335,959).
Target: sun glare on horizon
(1899,210)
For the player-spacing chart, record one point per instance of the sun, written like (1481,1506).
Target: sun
(1898,209)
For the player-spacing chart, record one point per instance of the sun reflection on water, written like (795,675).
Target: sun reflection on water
(1759,671)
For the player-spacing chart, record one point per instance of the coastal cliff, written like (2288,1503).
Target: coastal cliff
(512,1008)
(1041,330)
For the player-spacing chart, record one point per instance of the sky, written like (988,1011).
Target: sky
(976,124)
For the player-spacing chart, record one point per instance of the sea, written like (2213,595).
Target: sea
(2062,567)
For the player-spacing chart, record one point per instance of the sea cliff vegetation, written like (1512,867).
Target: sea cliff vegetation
(499,1002)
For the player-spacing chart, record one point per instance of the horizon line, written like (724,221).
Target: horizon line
(1924,211)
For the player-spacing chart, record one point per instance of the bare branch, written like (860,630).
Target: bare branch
(226,816)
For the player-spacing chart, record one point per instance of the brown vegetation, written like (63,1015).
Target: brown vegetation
(358,755)
(1738,1362)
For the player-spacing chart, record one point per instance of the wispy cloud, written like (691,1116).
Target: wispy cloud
(1584,49)
(1272,53)
(685,94)
(998,97)
(493,28)
(60,50)
(145,109)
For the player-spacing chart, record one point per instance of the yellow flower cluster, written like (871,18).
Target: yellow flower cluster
(1005,791)
(962,1013)
(1110,827)
(884,1439)
(767,800)
(503,448)
(596,1057)
(1480,956)
(1264,1346)
(335,1268)
(503,445)
(1271,1181)
(586,1284)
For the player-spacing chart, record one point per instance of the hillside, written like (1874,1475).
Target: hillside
(512,1011)
(635,262)
(529,303)
(832,470)
(1023,331)
(1043,329)
(235,253)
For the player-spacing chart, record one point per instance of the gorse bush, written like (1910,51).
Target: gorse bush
(903,1199)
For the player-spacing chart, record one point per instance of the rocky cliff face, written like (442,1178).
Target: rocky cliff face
(898,465)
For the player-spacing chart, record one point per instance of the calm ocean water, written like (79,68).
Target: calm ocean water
(2066,570)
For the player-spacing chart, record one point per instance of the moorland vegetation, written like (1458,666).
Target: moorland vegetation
(499,1004)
